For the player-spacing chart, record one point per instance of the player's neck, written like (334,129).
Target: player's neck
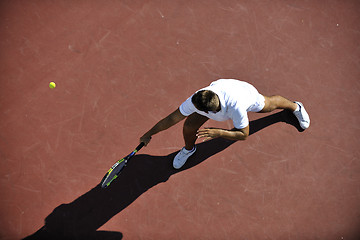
(218,109)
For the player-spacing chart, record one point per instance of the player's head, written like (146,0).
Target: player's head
(206,101)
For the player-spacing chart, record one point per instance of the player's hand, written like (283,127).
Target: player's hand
(145,139)
(209,133)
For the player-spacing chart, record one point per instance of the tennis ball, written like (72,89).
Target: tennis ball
(52,85)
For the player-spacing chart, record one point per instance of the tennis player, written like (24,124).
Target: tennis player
(224,99)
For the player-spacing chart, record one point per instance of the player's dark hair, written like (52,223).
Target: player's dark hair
(204,100)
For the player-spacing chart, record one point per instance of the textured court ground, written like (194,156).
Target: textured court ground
(122,65)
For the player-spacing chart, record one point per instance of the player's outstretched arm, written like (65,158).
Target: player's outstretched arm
(162,125)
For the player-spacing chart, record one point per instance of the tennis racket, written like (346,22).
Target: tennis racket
(116,169)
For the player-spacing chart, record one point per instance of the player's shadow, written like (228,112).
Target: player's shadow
(81,218)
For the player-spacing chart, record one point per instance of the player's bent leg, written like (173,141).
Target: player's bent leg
(297,108)
(191,125)
(278,102)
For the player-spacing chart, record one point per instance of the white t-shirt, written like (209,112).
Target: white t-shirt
(236,99)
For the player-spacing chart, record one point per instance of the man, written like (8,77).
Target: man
(224,99)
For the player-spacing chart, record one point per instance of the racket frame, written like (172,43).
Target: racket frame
(106,181)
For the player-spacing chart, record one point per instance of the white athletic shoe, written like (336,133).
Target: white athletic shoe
(302,116)
(182,156)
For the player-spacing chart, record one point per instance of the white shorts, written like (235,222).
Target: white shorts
(258,105)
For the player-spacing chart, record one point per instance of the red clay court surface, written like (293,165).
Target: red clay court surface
(120,66)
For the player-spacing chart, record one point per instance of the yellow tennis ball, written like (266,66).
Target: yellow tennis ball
(52,85)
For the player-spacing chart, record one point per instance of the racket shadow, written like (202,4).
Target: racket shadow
(81,218)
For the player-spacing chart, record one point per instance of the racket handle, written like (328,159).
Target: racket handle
(140,146)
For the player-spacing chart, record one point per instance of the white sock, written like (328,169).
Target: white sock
(297,108)
(187,151)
